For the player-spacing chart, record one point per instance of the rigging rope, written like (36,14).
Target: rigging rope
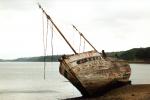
(45,35)
(45,38)
(80,44)
(43,44)
(84,46)
(52,40)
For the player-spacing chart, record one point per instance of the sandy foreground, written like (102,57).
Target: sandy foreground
(128,92)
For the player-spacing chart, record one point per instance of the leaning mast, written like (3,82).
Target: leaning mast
(84,37)
(49,18)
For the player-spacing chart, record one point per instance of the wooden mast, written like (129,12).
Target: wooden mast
(84,37)
(48,17)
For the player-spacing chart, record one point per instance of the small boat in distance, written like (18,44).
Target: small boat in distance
(91,71)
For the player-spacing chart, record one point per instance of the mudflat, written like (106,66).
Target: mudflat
(128,92)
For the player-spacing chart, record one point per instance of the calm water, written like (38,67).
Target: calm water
(24,81)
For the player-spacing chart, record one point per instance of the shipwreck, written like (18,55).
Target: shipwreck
(91,71)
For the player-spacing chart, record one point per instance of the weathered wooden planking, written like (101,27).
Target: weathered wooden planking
(92,72)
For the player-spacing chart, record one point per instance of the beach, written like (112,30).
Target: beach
(128,92)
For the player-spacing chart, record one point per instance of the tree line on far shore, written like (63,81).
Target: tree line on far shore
(135,54)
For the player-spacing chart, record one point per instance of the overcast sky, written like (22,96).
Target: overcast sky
(112,25)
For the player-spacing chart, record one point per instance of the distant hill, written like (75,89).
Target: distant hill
(53,58)
(135,55)
(1,60)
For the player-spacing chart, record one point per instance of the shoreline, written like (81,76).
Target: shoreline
(139,62)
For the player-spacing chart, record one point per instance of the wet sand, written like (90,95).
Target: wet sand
(128,92)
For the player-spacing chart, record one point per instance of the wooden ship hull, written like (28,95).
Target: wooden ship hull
(90,73)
